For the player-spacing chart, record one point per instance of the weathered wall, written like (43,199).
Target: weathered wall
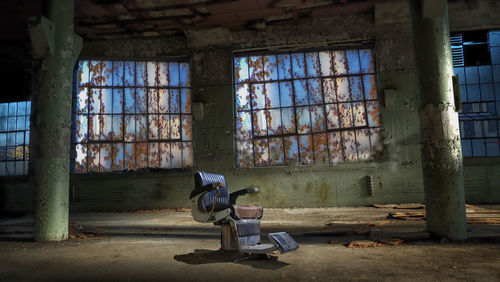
(397,174)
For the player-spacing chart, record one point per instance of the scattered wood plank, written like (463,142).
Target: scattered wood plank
(418,215)
(410,206)
(364,244)
(391,241)
(385,206)
(484,220)
(367,228)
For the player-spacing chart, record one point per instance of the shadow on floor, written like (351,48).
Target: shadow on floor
(202,256)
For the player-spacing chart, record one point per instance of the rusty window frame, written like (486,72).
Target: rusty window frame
(118,86)
(14,138)
(245,138)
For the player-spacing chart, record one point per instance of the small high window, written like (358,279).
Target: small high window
(14,138)
(306,108)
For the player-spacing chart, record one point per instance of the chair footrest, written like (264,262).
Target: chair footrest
(285,242)
(259,249)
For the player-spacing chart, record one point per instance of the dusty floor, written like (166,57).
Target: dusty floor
(170,246)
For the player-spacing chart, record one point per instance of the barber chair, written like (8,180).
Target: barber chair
(212,203)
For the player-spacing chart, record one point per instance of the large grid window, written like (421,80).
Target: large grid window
(130,115)
(14,138)
(478,67)
(306,108)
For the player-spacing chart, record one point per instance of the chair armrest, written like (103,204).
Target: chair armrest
(206,188)
(234,196)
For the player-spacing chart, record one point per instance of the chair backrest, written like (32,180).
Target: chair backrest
(201,180)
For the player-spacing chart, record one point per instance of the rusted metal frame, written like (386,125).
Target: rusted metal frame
(294,106)
(341,137)
(250,93)
(309,105)
(324,107)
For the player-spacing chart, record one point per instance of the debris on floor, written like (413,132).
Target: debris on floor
(410,206)
(418,215)
(364,244)
(385,206)
(366,228)
(391,241)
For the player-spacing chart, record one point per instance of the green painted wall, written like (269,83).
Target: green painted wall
(397,174)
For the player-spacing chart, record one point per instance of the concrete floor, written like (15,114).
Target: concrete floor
(170,246)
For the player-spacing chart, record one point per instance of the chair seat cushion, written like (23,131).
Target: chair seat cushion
(248,212)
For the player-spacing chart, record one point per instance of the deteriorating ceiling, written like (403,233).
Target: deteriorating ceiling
(109,19)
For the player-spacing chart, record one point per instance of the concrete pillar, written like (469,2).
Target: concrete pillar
(440,137)
(51,126)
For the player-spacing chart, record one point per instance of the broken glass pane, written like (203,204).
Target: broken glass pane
(274,122)
(345,115)
(317,118)
(326,62)
(95,78)
(81,128)
(272,95)
(315,95)
(320,148)
(363,142)
(105,124)
(276,151)
(81,158)
(312,62)
(298,65)
(288,120)
(352,61)
(270,68)
(300,87)
(140,74)
(83,73)
(163,101)
(82,100)
(343,89)
(303,120)
(259,123)
(359,113)
(306,149)
(349,142)
(244,154)
(284,67)
(370,87)
(94,127)
(258,96)
(243,125)
(329,90)
(175,127)
(173,72)
(140,128)
(241,69)
(339,62)
(261,152)
(366,59)
(242,97)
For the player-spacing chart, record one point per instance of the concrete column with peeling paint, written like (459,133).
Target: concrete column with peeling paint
(441,148)
(51,127)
